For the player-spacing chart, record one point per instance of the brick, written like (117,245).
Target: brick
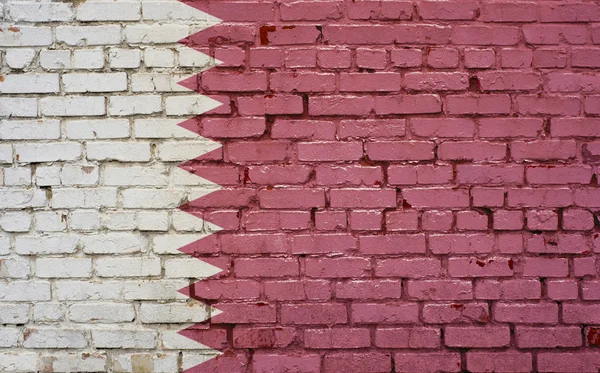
(411,268)
(499,361)
(543,313)
(337,338)
(483,337)
(389,313)
(545,267)
(446,10)
(568,362)
(440,290)
(399,151)
(407,338)
(478,104)
(456,313)
(547,337)
(373,362)
(271,363)
(508,289)
(360,82)
(461,243)
(427,362)
(436,198)
(450,127)
(436,81)
(473,267)
(313,314)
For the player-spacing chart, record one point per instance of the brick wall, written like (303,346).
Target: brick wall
(370,186)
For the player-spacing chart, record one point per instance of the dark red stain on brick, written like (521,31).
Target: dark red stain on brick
(511,264)
(264,34)
(593,337)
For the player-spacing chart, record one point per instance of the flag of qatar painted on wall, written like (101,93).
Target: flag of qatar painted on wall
(358,186)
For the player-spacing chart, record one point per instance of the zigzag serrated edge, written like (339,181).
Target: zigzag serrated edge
(193,337)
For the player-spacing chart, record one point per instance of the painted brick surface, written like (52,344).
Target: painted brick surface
(299,186)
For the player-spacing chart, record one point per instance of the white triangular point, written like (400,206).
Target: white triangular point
(192,360)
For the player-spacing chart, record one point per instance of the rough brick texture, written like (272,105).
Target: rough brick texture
(367,186)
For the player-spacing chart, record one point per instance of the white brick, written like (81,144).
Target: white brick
(81,83)
(154,289)
(15,221)
(109,11)
(170,243)
(70,106)
(192,58)
(4,244)
(189,268)
(156,57)
(152,313)
(88,129)
(119,338)
(158,83)
(50,221)
(189,105)
(17,176)
(39,129)
(14,313)
(11,198)
(24,291)
(45,245)
(81,290)
(153,221)
(39,12)
(30,83)
(89,35)
(172,340)
(55,338)
(6,153)
(160,129)
(47,175)
(48,312)
(124,58)
(19,58)
(51,152)
(88,59)
(131,363)
(118,175)
(63,267)
(55,59)
(75,362)
(119,220)
(9,337)
(101,312)
(18,106)
(79,175)
(113,243)
(173,151)
(175,11)
(131,105)
(25,36)
(128,267)
(156,33)
(84,220)
(116,290)
(119,151)
(153,198)
(18,362)
(15,267)
(4,247)
(84,198)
